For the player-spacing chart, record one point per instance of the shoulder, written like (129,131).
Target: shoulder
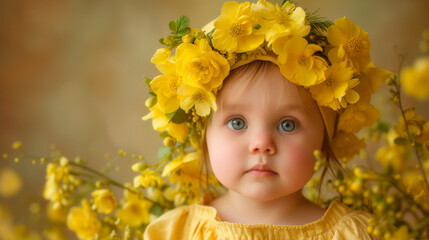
(351,224)
(182,223)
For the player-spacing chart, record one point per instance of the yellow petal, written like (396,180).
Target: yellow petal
(178,131)
(230,8)
(202,109)
(305,77)
(352,96)
(250,42)
(353,82)
(335,36)
(192,157)
(171,166)
(224,41)
(340,88)
(168,105)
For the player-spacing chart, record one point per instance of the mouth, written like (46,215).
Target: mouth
(261,170)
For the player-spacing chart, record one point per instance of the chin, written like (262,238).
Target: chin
(264,196)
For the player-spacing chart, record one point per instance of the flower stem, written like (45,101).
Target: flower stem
(102,176)
(397,86)
(112,181)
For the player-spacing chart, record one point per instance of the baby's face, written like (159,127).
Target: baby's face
(261,140)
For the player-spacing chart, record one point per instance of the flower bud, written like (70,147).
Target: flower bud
(150,102)
(167,41)
(187,38)
(104,201)
(169,142)
(138,167)
(122,153)
(98,184)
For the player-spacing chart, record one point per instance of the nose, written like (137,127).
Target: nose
(262,142)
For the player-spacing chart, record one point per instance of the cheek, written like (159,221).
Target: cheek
(300,163)
(224,158)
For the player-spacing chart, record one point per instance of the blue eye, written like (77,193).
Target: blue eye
(237,124)
(287,126)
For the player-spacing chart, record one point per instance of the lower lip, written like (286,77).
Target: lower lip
(261,173)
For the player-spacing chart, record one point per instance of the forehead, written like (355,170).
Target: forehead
(262,80)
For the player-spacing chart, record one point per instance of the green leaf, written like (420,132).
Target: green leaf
(383,126)
(179,116)
(156,210)
(163,152)
(161,40)
(183,32)
(318,23)
(210,34)
(182,23)
(400,141)
(284,1)
(147,81)
(173,26)
(164,134)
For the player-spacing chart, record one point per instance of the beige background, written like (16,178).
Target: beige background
(72,72)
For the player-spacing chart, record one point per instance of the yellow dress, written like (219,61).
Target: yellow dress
(198,221)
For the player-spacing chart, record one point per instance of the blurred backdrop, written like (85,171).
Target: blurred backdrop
(72,72)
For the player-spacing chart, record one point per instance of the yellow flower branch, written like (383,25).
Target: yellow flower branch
(113,182)
(397,91)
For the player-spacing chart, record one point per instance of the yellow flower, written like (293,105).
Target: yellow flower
(415,125)
(173,166)
(159,120)
(148,178)
(202,99)
(134,211)
(424,137)
(104,201)
(298,64)
(281,22)
(17,145)
(370,81)
(413,182)
(189,166)
(415,79)
(401,233)
(57,213)
(173,195)
(10,182)
(235,28)
(56,173)
(83,221)
(392,157)
(200,66)
(185,170)
(155,194)
(346,145)
(161,123)
(165,87)
(357,117)
(334,87)
(53,233)
(178,131)
(52,191)
(350,43)
(161,59)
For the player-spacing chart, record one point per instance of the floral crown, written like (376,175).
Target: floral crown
(331,60)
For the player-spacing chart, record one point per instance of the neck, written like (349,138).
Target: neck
(293,209)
